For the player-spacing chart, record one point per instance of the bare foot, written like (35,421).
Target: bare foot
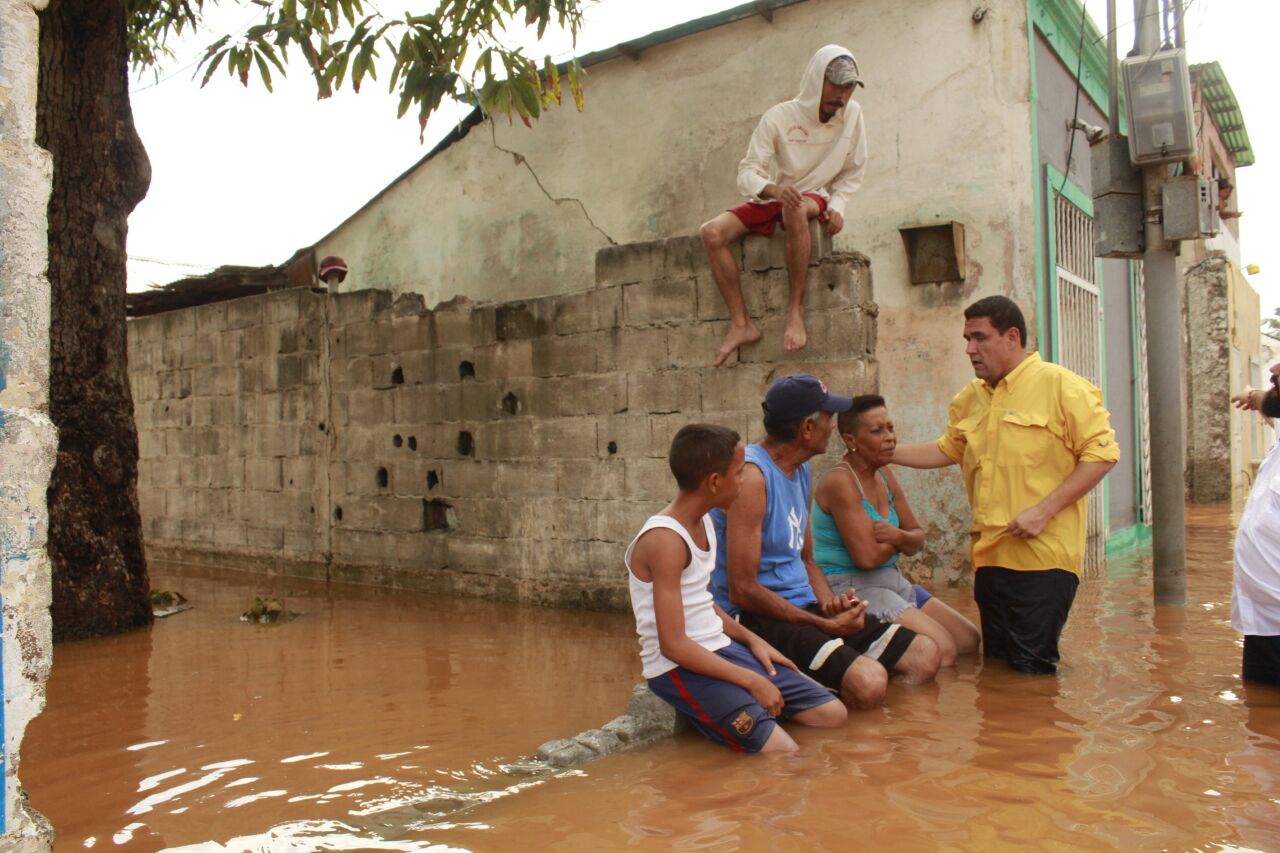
(739,336)
(795,336)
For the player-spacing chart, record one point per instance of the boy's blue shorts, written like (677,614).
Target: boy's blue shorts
(728,714)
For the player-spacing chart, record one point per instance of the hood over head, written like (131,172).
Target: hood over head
(810,96)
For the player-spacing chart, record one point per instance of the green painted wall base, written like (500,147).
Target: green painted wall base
(1137,536)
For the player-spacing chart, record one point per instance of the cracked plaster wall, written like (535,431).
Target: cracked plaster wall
(27,438)
(504,449)
(655,154)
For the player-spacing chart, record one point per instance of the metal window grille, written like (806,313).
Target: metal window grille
(1078,323)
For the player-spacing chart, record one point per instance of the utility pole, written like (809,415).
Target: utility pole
(1165,362)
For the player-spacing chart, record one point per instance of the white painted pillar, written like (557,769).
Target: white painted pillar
(27,437)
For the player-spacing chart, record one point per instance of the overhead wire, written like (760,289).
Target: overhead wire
(165,263)
(1071,139)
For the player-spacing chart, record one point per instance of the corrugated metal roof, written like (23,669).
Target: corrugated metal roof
(1225,110)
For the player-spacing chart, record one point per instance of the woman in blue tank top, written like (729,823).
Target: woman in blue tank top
(862,523)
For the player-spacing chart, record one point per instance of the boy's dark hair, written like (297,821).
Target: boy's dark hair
(847,422)
(699,450)
(1003,313)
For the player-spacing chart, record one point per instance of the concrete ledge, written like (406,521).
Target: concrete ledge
(646,719)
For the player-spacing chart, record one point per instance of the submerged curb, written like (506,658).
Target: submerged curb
(646,719)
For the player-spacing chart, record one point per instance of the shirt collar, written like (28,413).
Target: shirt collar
(1013,375)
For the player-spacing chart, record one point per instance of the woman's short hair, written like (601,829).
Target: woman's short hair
(847,422)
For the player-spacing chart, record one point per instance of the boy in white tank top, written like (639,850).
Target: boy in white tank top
(733,686)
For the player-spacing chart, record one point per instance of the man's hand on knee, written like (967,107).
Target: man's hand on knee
(835,222)
(788,195)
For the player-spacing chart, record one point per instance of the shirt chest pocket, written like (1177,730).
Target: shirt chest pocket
(1025,439)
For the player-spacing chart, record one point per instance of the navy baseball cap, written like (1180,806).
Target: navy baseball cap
(794,397)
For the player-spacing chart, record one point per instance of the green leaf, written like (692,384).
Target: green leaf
(263,70)
(341,71)
(213,66)
(268,51)
(527,93)
(551,74)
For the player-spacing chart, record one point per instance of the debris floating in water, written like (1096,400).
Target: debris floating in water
(268,611)
(166,602)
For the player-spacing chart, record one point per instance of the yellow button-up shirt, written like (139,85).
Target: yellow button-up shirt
(1016,443)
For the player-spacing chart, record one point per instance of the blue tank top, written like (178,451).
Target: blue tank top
(828,548)
(782,535)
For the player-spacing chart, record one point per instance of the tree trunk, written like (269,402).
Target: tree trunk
(100,172)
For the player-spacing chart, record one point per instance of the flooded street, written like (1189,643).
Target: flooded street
(382,720)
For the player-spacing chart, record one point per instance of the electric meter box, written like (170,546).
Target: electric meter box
(1157,90)
(1189,208)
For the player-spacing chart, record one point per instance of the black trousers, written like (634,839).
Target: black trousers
(1023,613)
(1261,659)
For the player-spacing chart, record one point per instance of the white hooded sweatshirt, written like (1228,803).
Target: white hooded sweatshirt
(791,145)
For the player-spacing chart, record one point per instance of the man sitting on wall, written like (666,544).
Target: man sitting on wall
(805,159)
(765,574)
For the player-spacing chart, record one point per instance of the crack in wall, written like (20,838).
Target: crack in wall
(521,160)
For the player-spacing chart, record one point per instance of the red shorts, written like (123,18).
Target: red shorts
(763,218)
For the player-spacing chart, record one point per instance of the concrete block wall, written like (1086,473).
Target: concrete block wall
(233,427)
(28,440)
(508,450)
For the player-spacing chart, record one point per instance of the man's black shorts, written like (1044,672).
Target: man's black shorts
(825,658)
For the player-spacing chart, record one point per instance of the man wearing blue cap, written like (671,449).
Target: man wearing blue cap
(766,577)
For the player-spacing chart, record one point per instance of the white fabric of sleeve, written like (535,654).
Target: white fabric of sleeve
(850,179)
(754,172)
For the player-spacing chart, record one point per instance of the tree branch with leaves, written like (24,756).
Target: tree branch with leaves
(344,41)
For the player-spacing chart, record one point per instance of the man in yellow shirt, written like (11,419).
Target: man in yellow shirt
(1032,439)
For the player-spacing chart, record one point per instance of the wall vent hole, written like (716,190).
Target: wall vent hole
(438,515)
(466,446)
(397,376)
(433,479)
(397,441)
(382,478)
(466,370)
(612,448)
(413,443)
(511,404)
(337,513)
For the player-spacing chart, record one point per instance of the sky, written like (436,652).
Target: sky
(243,176)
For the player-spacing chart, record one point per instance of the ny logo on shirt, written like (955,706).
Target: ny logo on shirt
(795,537)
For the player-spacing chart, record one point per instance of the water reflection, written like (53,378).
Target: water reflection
(386,721)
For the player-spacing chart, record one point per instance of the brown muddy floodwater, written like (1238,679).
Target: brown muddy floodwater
(389,721)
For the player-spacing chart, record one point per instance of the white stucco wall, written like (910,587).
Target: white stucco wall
(654,154)
(27,438)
